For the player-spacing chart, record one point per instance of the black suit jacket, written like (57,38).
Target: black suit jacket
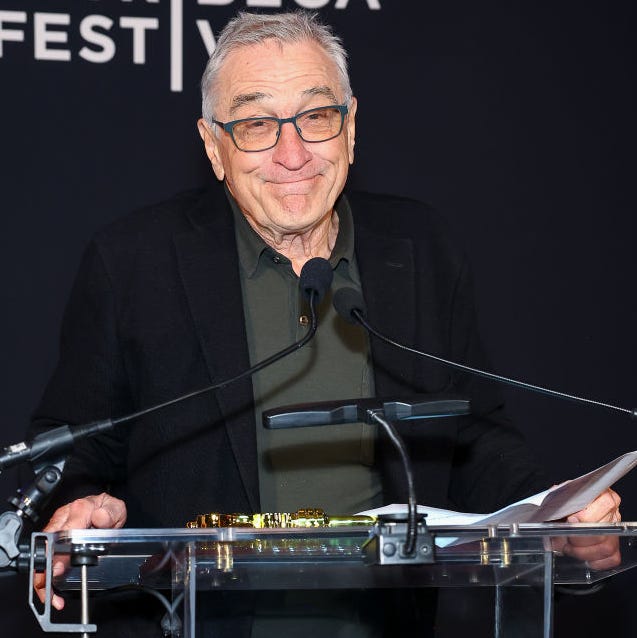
(156,311)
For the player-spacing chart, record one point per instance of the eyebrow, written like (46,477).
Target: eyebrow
(322,90)
(248,98)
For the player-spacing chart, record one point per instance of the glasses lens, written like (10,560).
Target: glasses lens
(256,134)
(320,124)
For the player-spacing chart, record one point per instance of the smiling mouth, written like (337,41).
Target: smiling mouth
(294,180)
(291,187)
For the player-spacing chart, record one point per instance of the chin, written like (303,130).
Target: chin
(297,206)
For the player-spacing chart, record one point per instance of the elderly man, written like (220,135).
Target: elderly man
(194,290)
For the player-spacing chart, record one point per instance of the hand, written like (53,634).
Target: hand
(600,552)
(103,511)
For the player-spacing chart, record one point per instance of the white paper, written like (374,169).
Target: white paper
(551,505)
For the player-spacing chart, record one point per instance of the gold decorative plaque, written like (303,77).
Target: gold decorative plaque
(308,517)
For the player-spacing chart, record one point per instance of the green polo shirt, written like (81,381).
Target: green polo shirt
(331,467)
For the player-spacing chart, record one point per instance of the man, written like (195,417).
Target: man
(194,290)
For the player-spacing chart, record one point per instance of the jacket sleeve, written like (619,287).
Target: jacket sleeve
(89,383)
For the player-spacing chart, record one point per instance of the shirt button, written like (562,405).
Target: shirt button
(276,259)
(303,320)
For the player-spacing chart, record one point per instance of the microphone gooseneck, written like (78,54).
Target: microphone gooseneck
(350,305)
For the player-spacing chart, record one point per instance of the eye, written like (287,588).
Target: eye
(256,127)
(316,116)
(254,124)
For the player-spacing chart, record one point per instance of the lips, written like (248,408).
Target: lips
(296,186)
(290,180)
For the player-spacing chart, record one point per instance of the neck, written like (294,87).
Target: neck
(300,247)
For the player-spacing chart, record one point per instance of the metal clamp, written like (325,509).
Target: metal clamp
(387,542)
(42,552)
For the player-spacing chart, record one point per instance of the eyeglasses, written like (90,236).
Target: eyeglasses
(254,134)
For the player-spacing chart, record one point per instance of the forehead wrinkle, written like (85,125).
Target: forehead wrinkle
(249,98)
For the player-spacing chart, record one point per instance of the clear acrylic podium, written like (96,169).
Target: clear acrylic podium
(522,562)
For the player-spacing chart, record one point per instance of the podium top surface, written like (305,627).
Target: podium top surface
(232,534)
(319,558)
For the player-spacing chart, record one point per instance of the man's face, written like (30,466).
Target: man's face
(289,188)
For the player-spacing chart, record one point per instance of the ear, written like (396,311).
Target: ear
(211,144)
(351,129)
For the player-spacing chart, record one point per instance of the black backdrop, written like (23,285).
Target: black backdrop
(516,121)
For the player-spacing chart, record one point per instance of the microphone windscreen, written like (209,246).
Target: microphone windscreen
(347,300)
(316,275)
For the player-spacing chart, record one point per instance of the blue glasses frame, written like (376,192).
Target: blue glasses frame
(228,127)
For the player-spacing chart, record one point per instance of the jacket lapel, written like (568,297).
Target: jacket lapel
(386,267)
(388,276)
(208,265)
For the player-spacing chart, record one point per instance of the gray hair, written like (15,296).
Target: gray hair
(253,28)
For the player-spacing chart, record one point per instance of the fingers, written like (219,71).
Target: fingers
(109,512)
(604,509)
(599,552)
(39,585)
(102,511)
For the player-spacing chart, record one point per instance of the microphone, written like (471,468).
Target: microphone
(350,305)
(314,281)
(316,278)
(348,301)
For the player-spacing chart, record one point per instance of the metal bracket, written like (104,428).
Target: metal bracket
(42,547)
(387,541)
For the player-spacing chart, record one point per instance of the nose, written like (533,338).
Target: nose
(290,151)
